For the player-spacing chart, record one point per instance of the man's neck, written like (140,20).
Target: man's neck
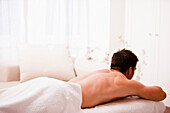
(113,70)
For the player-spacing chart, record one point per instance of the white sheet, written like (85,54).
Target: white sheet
(41,95)
(129,105)
(47,95)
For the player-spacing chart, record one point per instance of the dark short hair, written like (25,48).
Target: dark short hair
(123,60)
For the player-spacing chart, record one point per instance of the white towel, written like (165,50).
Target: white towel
(42,95)
(129,105)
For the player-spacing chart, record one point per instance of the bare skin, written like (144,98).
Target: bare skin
(106,85)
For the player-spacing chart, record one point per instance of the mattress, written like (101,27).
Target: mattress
(129,105)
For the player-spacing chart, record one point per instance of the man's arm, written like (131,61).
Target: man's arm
(147,92)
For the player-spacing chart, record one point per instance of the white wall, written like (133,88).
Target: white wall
(117,24)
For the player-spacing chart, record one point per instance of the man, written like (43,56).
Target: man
(106,85)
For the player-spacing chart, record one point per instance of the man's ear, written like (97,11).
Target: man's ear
(130,71)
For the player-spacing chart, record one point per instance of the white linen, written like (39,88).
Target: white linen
(41,95)
(129,105)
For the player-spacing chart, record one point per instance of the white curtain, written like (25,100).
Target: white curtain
(58,21)
(77,23)
(11,28)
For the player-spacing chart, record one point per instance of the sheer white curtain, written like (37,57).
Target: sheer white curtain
(11,28)
(46,21)
(80,24)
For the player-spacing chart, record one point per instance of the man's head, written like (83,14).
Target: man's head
(125,61)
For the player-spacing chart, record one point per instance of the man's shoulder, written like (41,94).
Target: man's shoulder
(120,79)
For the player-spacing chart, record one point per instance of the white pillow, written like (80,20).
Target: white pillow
(45,60)
(83,67)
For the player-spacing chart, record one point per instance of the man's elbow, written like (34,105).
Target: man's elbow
(162,94)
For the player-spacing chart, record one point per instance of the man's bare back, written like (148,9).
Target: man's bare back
(105,85)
